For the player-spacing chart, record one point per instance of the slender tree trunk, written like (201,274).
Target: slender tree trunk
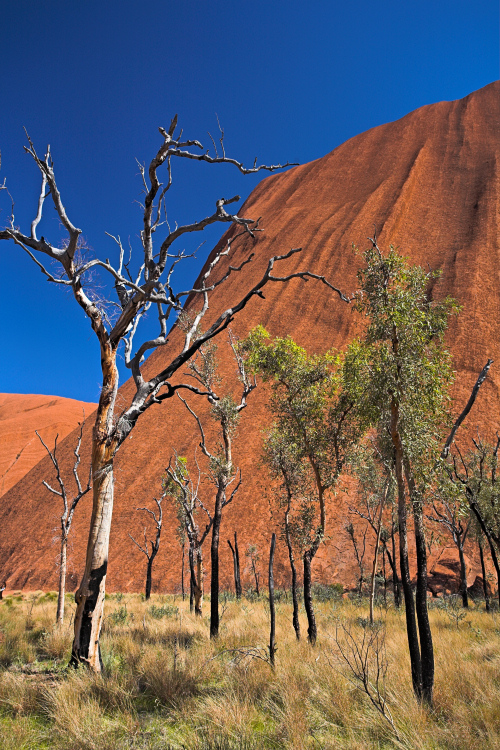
(236,566)
(463,576)
(424,628)
(192,578)
(214,560)
(374,571)
(312,631)
(411,624)
(199,584)
(384,574)
(182,572)
(256,576)
(148,578)
(272,635)
(375,556)
(485,583)
(62,578)
(295,599)
(395,577)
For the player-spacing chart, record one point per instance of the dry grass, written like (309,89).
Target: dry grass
(168,686)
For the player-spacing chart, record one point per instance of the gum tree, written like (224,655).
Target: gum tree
(115,315)
(314,405)
(407,378)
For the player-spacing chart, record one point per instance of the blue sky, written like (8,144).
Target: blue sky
(96,79)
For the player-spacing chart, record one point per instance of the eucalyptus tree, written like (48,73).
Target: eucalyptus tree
(314,404)
(407,376)
(150,554)
(253,556)
(115,311)
(290,477)
(69,503)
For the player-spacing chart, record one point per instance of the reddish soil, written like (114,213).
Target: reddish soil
(20,416)
(430,184)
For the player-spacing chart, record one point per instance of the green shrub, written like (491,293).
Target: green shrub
(327,592)
(119,616)
(165,610)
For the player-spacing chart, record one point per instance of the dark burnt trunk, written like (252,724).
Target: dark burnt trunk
(312,631)
(424,628)
(256,576)
(214,560)
(182,573)
(295,598)
(395,577)
(272,635)
(411,623)
(148,578)
(192,578)
(384,573)
(291,557)
(199,583)
(236,565)
(463,577)
(485,582)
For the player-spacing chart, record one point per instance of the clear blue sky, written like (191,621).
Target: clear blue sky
(287,80)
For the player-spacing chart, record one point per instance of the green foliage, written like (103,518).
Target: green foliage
(119,616)
(164,610)
(314,402)
(327,592)
(403,358)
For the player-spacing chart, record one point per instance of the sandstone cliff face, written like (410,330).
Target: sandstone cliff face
(430,184)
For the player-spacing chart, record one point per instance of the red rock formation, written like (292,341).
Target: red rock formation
(430,184)
(20,416)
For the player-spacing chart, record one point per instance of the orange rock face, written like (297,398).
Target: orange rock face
(430,184)
(20,416)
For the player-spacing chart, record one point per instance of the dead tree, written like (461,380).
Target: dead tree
(69,507)
(476,475)
(450,515)
(222,474)
(150,555)
(184,492)
(252,554)
(359,547)
(115,315)
(236,565)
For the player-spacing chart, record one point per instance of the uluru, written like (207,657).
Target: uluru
(427,183)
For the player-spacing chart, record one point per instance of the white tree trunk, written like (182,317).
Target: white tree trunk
(62,578)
